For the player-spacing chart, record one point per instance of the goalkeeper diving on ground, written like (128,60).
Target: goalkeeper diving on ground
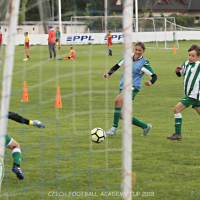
(14,145)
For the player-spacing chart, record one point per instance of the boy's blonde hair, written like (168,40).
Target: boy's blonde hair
(195,47)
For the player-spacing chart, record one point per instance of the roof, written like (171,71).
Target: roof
(149,5)
(193,4)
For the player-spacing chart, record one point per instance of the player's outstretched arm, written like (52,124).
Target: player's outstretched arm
(22,120)
(178,69)
(112,70)
(106,76)
(152,81)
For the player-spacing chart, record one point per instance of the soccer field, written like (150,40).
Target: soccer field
(61,159)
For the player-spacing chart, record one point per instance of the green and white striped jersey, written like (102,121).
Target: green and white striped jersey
(146,68)
(191,79)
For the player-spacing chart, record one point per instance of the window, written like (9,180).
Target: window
(197,17)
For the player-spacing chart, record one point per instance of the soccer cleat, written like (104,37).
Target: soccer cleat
(38,124)
(174,137)
(49,58)
(18,172)
(146,130)
(112,131)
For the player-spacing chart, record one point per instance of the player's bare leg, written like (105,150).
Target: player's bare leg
(117,114)
(16,152)
(59,46)
(178,122)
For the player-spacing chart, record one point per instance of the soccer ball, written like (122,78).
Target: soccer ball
(98,135)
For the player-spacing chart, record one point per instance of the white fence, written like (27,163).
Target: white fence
(100,38)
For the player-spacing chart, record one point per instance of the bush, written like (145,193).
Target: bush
(181,20)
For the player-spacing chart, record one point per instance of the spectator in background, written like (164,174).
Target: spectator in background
(0,44)
(109,42)
(58,38)
(72,54)
(51,42)
(26,46)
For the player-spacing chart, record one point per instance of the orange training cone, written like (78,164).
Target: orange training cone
(25,93)
(174,52)
(58,103)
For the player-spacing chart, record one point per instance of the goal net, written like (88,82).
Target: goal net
(59,161)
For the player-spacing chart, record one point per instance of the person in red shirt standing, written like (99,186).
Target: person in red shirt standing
(51,42)
(0,44)
(109,42)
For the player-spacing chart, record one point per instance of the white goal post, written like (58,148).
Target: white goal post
(160,30)
(7,72)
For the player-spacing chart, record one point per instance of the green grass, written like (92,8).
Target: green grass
(62,157)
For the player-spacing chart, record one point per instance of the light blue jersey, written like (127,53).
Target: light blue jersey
(139,67)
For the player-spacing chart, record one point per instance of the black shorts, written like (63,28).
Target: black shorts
(57,40)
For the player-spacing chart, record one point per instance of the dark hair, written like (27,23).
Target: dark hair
(26,33)
(140,44)
(71,47)
(57,27)
(195,47)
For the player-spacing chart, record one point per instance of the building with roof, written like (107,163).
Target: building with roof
(165,7)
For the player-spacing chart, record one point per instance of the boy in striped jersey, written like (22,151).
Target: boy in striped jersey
(190,70)
(140,66)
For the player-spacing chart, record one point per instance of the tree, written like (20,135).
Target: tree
(181,20)
(67,7)
(161,14)
(33,13)
(22,11)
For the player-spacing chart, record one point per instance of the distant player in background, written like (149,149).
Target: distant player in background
(0,44)
(58,36)
(14,146)
(26,46)
(51,42)
(109,42)
(190,70)
(72,54)
(140,66)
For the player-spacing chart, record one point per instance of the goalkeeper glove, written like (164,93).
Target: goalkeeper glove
(36,123)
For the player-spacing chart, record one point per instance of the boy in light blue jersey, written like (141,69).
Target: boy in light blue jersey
(140,66)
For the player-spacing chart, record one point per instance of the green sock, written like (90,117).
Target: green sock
(139,123)
(117,115)
(16,153)
(178,123)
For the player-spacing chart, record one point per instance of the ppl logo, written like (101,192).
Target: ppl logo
(116,37)
(79,38)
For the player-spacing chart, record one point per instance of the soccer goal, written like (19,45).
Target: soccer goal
(60,161)
(159,32)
